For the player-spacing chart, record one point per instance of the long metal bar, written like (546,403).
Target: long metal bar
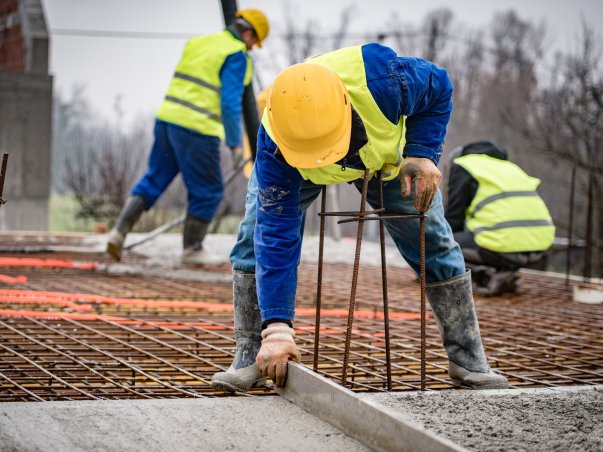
(587,271)
(423,276)
(570,232)
(348,333)
(3,176)
(321,245)
(384,287)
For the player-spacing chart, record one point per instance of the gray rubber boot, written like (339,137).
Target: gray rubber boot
(193,234)
(452,305)
(243,373)
(129,215)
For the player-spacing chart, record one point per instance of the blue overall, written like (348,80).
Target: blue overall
(197,156)
(269,239)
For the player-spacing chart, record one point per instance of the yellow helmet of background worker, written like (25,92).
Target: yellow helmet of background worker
(309,113)
(258,20)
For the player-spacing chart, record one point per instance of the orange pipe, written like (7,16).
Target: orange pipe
(37,262)
(201,305)
(13,279)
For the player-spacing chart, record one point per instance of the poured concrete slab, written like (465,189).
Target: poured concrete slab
(241,423)
(507,420)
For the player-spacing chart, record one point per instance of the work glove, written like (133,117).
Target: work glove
(278,347)
(425,176)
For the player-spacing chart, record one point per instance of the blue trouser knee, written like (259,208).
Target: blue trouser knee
(443,257)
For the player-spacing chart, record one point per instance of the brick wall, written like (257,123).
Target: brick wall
(12,44)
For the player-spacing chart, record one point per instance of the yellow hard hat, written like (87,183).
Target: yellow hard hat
(309,112)
(258,20)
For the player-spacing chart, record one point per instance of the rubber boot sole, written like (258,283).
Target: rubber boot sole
(492,385)
(225,386)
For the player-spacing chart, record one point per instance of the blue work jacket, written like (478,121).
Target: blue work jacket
(401,86)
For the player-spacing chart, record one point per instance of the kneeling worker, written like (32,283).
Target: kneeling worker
(497,217)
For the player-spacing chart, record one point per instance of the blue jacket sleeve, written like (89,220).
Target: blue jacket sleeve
(277,236)
(427,103)
(232,75)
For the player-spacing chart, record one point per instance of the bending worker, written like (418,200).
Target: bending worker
(325,121)
(202,106)
(496,215)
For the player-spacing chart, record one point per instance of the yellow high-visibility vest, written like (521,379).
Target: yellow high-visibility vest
(193,97)
(385,140)
(507,215)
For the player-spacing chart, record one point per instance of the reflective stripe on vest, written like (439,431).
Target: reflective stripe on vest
(507,214)
(193,97)
(385,140)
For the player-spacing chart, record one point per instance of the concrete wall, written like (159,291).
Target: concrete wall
(25,114)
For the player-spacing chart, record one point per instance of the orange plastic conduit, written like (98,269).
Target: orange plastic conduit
(13,279)
(12,295)
(37,262)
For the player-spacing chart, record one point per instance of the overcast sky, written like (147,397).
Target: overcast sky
(139,69)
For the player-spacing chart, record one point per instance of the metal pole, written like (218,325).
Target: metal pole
(250,110)
(3,176)
(423,282)
(388,360)
(321,246)
(348,334)
(570,232)
(589,228)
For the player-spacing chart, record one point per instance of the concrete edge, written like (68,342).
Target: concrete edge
(345,410)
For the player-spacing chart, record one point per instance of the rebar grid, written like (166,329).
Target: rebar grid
(536,338)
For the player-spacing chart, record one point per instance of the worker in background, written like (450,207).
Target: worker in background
(496,215)
(326,121)
(202,106)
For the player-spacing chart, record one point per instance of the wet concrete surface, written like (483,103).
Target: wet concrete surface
(567,419)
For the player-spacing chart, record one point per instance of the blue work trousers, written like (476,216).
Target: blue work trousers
(444,259)
(177,149)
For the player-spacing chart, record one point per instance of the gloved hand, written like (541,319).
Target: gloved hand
(278,347)
(425,176)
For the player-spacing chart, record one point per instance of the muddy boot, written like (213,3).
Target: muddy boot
(193,234)
(130,213)
(454,311)
(242,373)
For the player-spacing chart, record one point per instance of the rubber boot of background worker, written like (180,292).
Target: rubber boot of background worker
(129,215)
(243,373)
(454,310)
(499,283)
(193,234)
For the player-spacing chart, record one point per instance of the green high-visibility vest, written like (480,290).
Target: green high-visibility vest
(193,97)
(385,140)
(507,215)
